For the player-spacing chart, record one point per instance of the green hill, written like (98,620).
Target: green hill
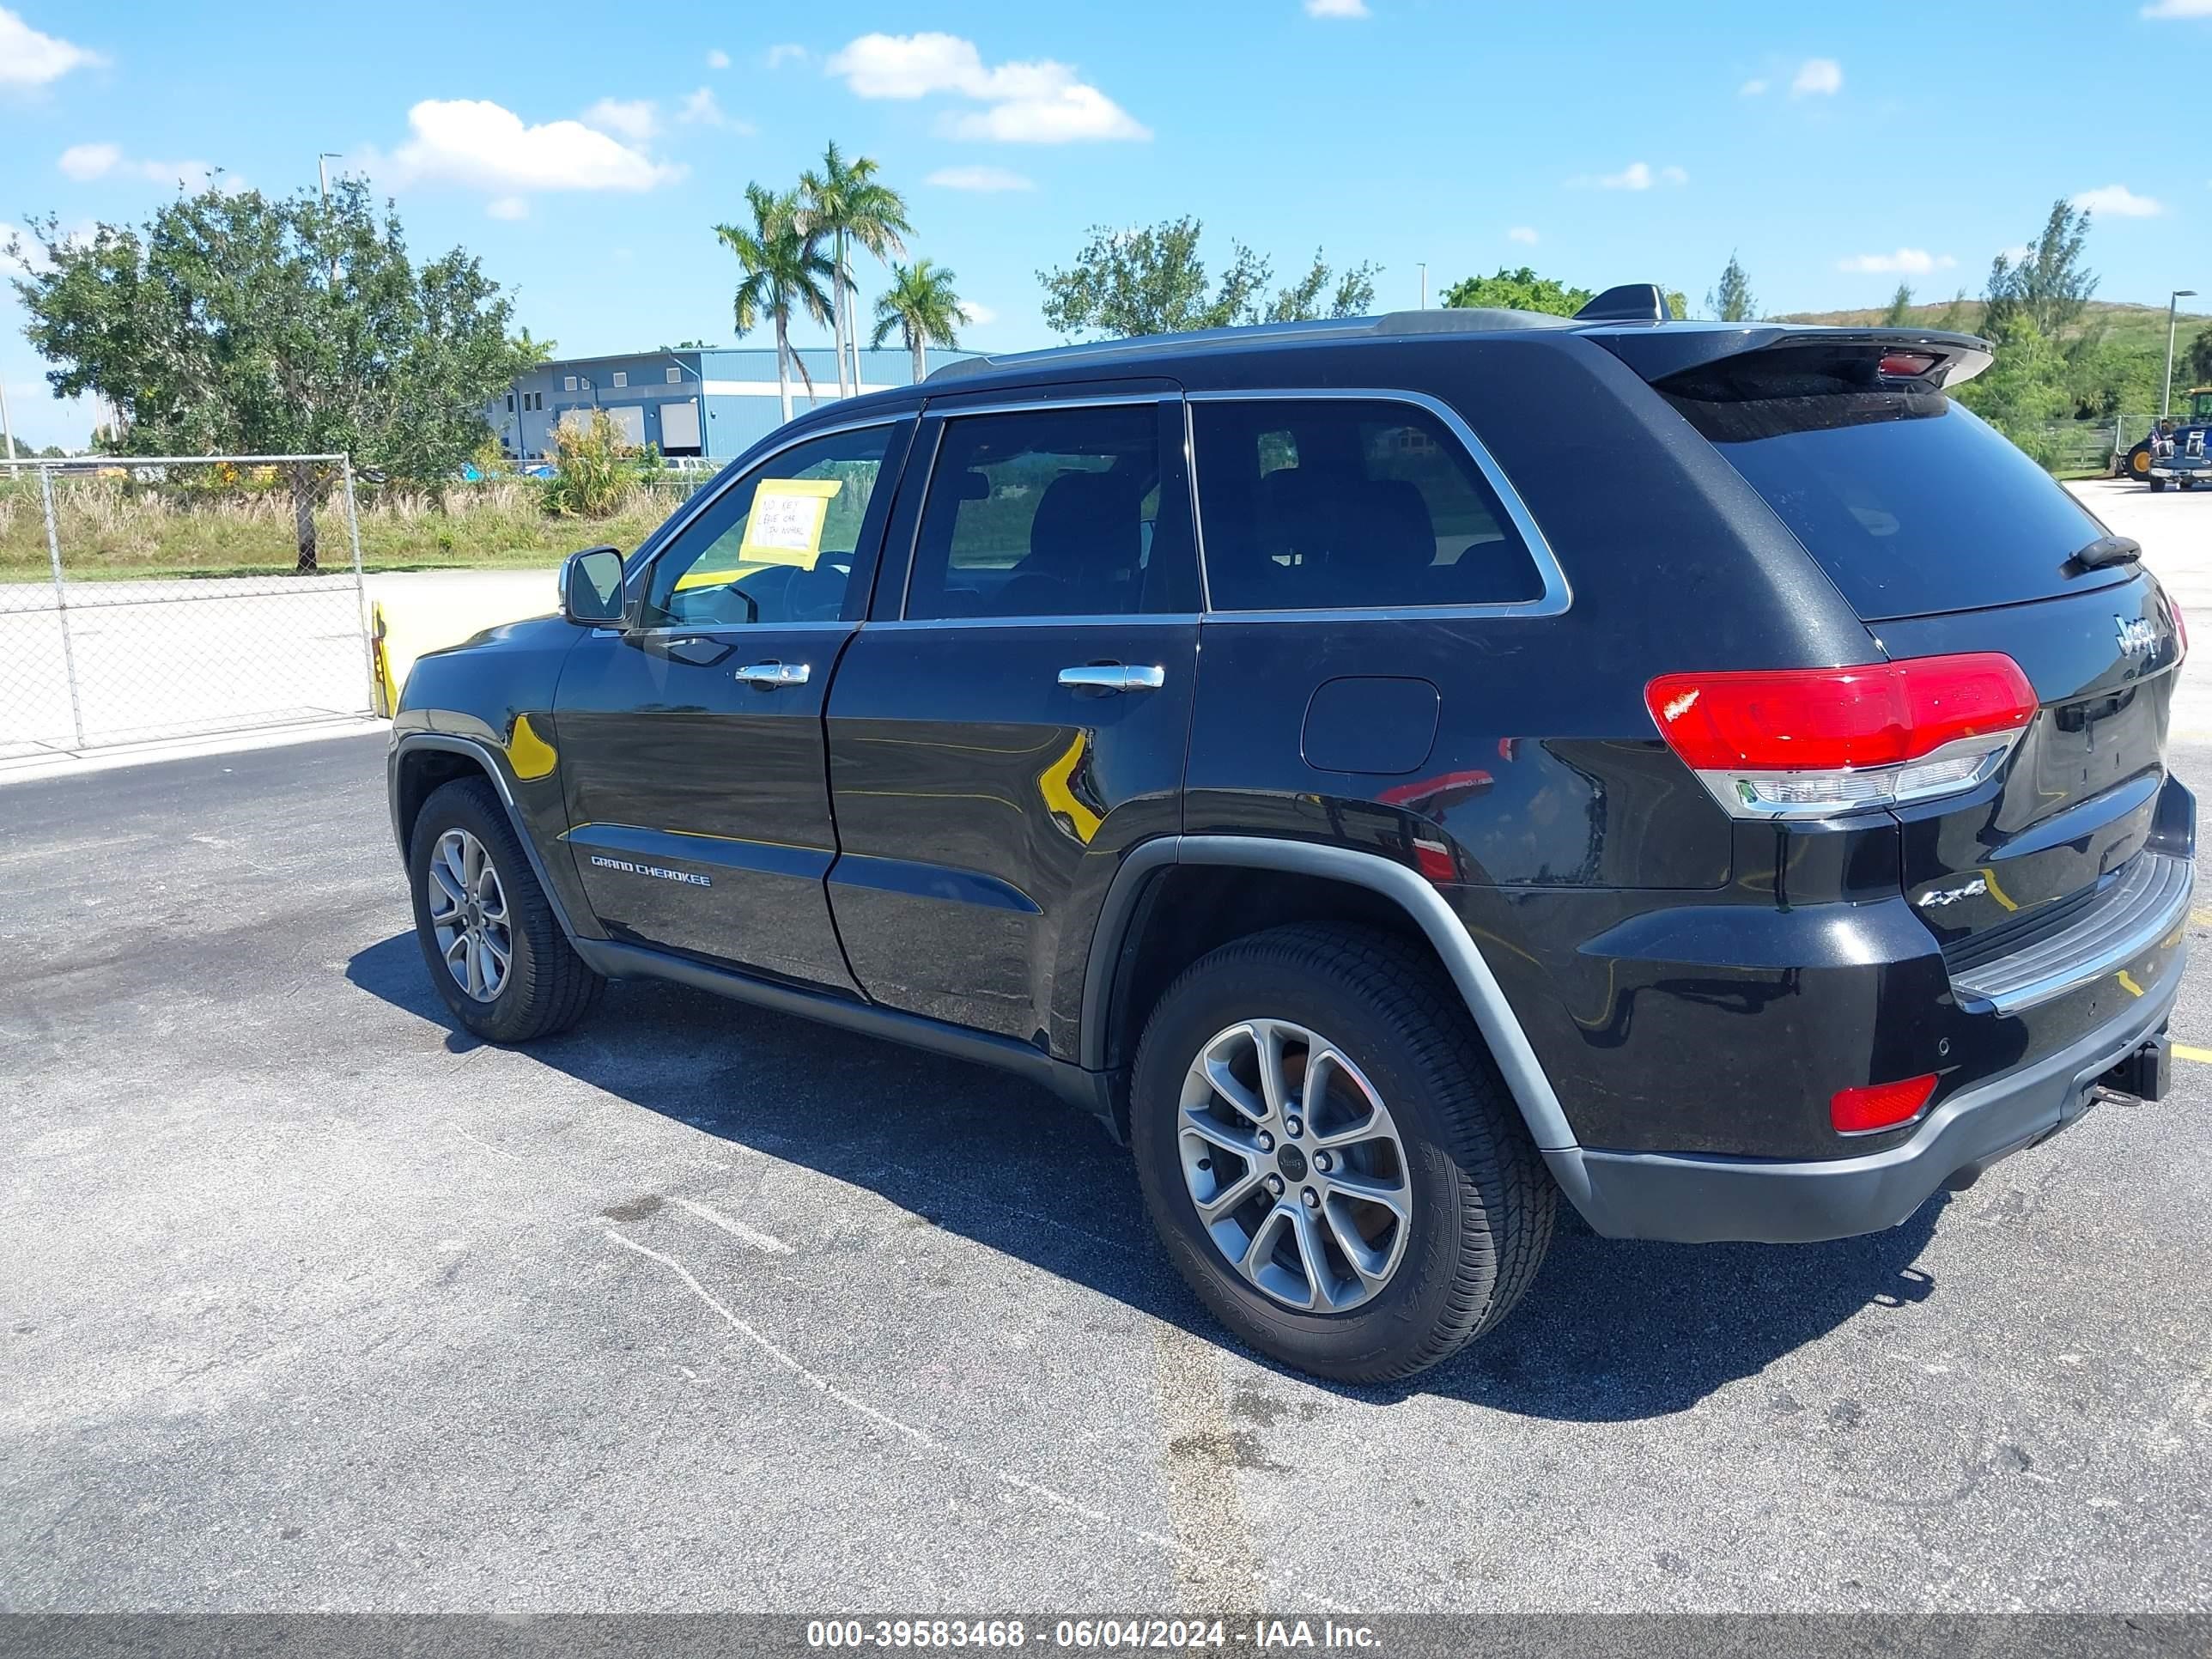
(2120,324)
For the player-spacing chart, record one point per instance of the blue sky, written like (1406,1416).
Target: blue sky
(586,151)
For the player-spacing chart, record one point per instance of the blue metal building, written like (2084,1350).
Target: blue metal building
(712,403)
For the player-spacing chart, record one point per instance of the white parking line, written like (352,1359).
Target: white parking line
(736,1229)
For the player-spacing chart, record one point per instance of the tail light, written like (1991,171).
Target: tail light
(1796,743)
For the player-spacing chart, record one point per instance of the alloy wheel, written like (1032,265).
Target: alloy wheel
(1298,1173)
(468,915)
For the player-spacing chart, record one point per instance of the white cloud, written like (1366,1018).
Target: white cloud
(980,179)
(1521,234)
(2120,202)
(2179,9)
(1752,88)
(1817,77)
(1904,262)
(1036,103)
(1336,8)
(637,119)
(508,207)
(981,316)
(28,59)
(718,59)
(699,110)
(787,53)
(473,142)
(1637,175)
(86,161)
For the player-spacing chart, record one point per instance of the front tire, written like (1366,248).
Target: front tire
(2157,485)
(1363,1233)
(489,939)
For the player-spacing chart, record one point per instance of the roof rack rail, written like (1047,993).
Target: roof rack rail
(1630,303)
(1443,321)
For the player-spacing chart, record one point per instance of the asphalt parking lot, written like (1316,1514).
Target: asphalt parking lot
(313,1303)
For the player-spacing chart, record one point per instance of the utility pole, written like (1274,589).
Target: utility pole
(2166,390)
(1424,285)
(7,428)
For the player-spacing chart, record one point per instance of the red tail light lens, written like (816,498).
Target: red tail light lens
(1803,742)
(1880,1105)
(1908,365)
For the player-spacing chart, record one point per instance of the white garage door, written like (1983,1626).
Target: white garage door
(679,425)
(629,421)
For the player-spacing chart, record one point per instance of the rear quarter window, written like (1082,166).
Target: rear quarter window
(1912,504)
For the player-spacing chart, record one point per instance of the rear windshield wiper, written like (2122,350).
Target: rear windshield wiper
(2108,550)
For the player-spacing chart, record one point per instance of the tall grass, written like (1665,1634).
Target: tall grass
(113,527)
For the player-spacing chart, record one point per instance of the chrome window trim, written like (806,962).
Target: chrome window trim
(1031,405)
(1088,619)
(705,498)
(1557,595)
(945,416)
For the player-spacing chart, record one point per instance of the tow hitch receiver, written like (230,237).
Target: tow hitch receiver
(2143,1073)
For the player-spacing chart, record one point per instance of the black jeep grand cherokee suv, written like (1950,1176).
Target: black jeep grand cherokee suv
(1396,772)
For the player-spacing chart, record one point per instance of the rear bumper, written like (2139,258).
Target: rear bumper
(1704,1198)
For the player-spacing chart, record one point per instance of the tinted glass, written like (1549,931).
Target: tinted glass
(1050,513)
(777,546)
(1910,504)
(1336,504)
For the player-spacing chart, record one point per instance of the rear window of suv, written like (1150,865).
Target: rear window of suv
(1912,504)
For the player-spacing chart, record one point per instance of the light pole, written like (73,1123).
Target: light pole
(2166,391)
(1425,285)
(7,427)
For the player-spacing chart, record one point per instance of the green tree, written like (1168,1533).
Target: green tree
(2048,284)
(247,323)
(2195,367)
(922,308)
(1351,293)
(2021,393)
(1152,281)
(1732,301)
(1901,307)
(845,201)
(784,272)
(1518,290)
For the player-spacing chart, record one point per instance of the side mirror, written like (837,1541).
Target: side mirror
(592,586)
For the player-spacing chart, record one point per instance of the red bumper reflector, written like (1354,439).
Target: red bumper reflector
(1880,1105)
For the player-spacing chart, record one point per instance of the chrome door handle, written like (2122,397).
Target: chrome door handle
(770,675)
(1113,676)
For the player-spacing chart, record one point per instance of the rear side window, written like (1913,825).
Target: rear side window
(1348,504)
(1910,504)
(1050,513)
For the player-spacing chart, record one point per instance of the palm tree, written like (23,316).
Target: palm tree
(783,269)
(922,307)
(844,202)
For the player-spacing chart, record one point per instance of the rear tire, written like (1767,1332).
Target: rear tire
(1478,1202)
(494,950)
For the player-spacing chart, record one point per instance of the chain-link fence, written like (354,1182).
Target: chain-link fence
(145,597)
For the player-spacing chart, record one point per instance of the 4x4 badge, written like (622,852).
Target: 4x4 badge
(1973,889)
(2136,635)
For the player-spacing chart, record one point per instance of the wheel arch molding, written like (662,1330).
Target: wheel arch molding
(408,792)
(1123,919)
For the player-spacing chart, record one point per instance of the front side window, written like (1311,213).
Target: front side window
(1050,513)
(777,546)
(1348,504)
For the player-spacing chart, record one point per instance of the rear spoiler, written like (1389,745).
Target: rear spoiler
(1921,357)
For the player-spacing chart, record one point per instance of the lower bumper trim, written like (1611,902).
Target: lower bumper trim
(1696,1198)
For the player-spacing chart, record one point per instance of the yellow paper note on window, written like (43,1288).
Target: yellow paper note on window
(784,526)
